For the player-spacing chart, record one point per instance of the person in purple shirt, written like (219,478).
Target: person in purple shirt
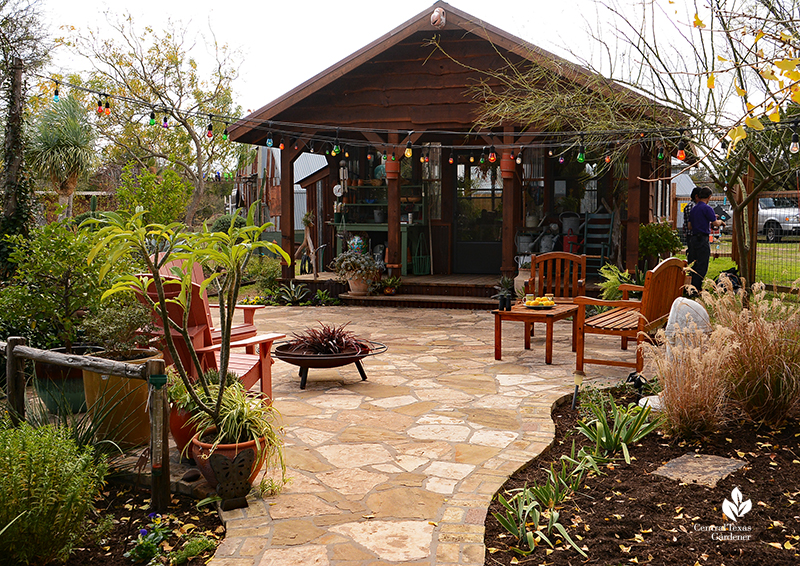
(701,219)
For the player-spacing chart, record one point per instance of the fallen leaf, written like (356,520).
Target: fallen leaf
(368,516)
(492,550)
(434,523)
(775,544)
(625,549)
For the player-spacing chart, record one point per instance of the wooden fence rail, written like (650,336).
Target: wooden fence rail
(16,352)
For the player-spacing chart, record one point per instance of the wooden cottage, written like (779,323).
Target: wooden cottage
(410,172)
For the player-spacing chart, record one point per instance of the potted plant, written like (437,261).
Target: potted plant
(505,293)
(121,326)
(391,285)
(226,255)
(51,291)
(657,240)
(183,407)
(356,267)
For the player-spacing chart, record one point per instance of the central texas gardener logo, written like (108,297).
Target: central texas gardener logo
(737,508)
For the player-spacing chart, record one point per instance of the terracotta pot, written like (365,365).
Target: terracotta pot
(358,286)
(60,385)
(201,451)
(127,421)
(182,431)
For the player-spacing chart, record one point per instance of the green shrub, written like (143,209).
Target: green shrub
(54,483)
(223,223)
(658,239)
(266,272)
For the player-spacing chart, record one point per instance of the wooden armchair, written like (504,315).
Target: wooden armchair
(201,308)
(559,273)
(631,319)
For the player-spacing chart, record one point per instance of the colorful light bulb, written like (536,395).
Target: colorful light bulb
(581,154)
(660,154)
(561,159)
(608,158)
(681,151)
(210,131)
(99,105)
(55,94)
(165,124)
(492,155)
(281,146)
(519,157)
(794,147)
(409,152)
(269,140)
(108,108)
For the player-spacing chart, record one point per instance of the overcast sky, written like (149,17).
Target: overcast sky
(287,42)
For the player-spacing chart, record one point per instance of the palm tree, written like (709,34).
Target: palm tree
(63,147)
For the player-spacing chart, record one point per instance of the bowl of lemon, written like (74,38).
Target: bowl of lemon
(540,303)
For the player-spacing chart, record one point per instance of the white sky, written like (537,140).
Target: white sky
(286,42)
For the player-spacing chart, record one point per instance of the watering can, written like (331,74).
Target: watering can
(570,221)
(523,242)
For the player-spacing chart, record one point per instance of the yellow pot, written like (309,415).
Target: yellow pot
(127,421)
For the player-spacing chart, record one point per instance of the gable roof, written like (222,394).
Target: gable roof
(455,20)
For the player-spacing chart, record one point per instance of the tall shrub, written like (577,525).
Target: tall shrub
(164,195)
(44,476)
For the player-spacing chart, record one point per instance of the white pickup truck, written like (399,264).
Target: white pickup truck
(777,217)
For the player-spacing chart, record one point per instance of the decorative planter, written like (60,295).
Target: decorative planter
(182,431)
(60,386)
(521,278)
(390,291)
(124,402)
(201,451)
(358,286)
(306,360)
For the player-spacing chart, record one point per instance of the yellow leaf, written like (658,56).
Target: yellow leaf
(787,64)
(754,123)
(434,523)
(796,96)
(638,538)
(792,75)
(769,75)
(368,516)
(625,549)
(759,35)
(740,454)
(750,107)
(187,528)
(711,80)
(740,91)
(721,58)
(788,546)
(698,23)
(785,36)
(775,544)
(634,560)
(492,550)
(514,561)
(548,551)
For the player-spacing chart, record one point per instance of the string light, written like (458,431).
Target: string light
(519,156)
(100,105)
(608,158)
(108,108)
(393,157)
(384,155)
(422,158)
(450,160)
(483,156)
(225,132)
(660,154)
(471,157)
(409,152)
(581,152)
(210,132)
(427,157)
(281,146)
(165,124)
(561,159)
(549,153)
(794,147)
(311,146)
(55,94)
(152,117)
(269,140)
(346,153)
(681,155)
(492,155)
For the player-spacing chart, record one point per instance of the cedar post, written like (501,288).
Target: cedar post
(15,380)
(510,213)
(159,437)
(287,213)
(394,263)
(634,207)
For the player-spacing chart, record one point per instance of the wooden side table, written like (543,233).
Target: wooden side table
(520,312)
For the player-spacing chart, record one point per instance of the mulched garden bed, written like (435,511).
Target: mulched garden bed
(128,509)
(629,515)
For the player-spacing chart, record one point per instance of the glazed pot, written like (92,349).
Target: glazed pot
(60,386)
(201,451)
(124,402)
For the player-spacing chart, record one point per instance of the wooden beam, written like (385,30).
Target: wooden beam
(287,211)
(635,198)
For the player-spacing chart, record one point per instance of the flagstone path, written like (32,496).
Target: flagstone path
(400,469)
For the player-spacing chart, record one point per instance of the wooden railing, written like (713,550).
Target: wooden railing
(16,352)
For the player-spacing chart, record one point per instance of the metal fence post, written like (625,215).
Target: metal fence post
(15,380)
(159,436)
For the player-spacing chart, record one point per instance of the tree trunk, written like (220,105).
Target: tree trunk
(13,143)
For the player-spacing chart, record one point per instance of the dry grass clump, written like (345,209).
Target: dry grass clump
(763,372)
(691,373)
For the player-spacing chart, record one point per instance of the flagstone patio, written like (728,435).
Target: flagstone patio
(400,469)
